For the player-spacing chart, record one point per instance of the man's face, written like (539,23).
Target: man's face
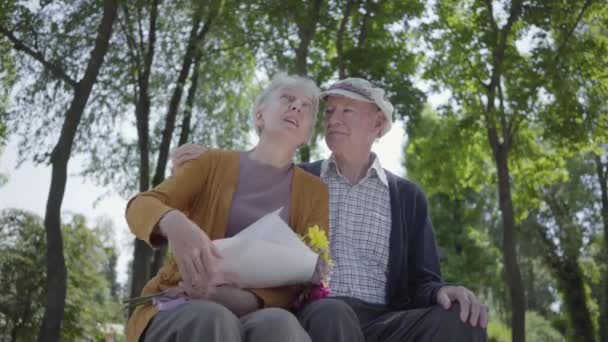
(351,126)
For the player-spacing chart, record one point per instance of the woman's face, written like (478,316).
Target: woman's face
(286,114)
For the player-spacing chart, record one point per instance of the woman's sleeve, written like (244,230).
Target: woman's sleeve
(318,215)
(145,210)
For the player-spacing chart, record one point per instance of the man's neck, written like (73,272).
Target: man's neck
(354,167)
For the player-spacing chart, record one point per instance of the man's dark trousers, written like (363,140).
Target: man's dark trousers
(348,319)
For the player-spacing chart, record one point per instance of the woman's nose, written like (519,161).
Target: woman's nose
(296,105)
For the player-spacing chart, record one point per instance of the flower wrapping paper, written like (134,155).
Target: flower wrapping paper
(267,254)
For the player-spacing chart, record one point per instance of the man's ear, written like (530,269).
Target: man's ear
(379,122)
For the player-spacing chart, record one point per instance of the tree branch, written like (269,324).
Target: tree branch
(491,16)
(550,247)
(55,69)
(468,60)
(140,30)
(133,51)
(571,31)
(507,138)
(340,38)
(363,31)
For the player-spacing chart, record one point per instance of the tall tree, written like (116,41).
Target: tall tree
(142,49)
(89,301)
(563,237)
(601,162)
(215,66)
(498,85)
(199,31)
(306,16)
(55,262)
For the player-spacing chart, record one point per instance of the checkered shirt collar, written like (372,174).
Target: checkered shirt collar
(376,167)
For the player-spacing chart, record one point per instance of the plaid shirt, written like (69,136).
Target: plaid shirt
(360,227)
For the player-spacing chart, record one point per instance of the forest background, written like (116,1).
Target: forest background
(501,112)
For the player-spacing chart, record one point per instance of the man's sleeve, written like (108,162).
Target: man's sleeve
(423,261)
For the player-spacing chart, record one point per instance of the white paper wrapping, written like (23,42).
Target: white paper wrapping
(266,254)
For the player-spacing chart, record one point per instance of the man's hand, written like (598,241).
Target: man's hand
(185,153)
(196,255)
(470,307)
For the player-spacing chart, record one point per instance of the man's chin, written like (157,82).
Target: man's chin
(336,144)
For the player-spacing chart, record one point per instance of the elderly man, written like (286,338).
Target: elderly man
(386,281)
(386,284)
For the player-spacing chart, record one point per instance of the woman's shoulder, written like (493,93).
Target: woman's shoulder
(213,156)
(305,180)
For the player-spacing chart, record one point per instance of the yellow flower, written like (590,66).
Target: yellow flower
(317,240)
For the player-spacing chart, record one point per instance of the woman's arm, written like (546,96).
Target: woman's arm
(145,210)
(157,215)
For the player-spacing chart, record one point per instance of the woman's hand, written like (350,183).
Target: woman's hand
(239,301)
(196,256)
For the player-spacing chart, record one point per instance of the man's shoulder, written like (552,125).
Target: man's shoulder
(403,184)
(313,167)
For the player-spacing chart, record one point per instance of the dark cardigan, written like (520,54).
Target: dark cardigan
(413,269)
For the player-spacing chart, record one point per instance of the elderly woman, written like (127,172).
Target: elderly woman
(216,196)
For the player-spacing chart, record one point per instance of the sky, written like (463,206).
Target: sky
(27,188)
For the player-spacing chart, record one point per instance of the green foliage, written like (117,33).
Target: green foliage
(445,155)
(503,64)
(22,258)
(538,329)
(498,331)
(549,103)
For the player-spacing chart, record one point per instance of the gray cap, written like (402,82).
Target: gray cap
(361,90)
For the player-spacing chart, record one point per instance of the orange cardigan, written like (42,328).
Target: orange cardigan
(203,190)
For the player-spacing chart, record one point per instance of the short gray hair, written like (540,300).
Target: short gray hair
(282,80)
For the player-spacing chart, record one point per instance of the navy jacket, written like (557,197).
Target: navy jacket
(413,268)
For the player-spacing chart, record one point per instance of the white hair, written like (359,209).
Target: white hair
(282,80)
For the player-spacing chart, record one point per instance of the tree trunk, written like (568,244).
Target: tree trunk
(142,253)
(14,333)
(602,175)
(192,53)
(500,149)
(194,43)
(159,254)
(187,118)
(55,262)
(514,279)
(340,38)
(569,276)
(364,22)
(306,33)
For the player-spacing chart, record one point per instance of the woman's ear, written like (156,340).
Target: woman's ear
(259,121)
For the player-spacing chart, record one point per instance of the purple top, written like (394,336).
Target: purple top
(260,189)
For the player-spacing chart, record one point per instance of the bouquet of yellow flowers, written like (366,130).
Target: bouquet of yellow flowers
(304,260)
(317,241)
